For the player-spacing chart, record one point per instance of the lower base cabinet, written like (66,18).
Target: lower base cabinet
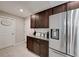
(43,48)
(29,44)
(38,46)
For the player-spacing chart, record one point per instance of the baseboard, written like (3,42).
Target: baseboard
(21,42)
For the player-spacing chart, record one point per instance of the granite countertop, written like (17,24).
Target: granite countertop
(41,38)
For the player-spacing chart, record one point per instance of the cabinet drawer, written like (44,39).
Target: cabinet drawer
(43,42)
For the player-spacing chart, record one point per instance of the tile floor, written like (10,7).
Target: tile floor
(17,51)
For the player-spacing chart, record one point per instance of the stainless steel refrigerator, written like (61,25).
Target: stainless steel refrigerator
(63,38)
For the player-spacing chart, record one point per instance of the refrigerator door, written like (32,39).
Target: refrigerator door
(58,21)
(72,25)
(77,41)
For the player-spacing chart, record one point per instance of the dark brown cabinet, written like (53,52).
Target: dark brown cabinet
(40,20)
(29,43)
(33,19)
(72,5)
(38,46)
(59,9)
(65,7)
(43,48)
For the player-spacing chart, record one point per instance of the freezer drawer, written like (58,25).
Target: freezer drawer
(53,53)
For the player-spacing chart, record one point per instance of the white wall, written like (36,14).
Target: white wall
(28,30)
(19,26)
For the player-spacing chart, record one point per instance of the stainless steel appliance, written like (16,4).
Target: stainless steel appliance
(64,33)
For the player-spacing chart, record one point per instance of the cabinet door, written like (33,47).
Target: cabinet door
(36,46)
(42,20)
(50,12)
(33,17)
(46,19)
(59,9)
(30,43)
(37,20)
(72,5)
(44,48)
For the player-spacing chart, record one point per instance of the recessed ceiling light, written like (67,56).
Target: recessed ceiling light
(21,10)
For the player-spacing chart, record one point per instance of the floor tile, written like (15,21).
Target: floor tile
(17,51)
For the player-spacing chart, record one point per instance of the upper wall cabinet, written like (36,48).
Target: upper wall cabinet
(65,7)
(41,19)
(72,5)
(33,19)
(59,9)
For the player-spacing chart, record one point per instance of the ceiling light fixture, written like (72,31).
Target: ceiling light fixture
(21,10)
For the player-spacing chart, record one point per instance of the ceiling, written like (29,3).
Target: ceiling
(29,7)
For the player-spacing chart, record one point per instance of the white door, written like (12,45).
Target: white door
(7,32)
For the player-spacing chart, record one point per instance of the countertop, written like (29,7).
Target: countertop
(41,38)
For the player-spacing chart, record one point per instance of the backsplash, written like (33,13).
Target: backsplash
(42,30)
